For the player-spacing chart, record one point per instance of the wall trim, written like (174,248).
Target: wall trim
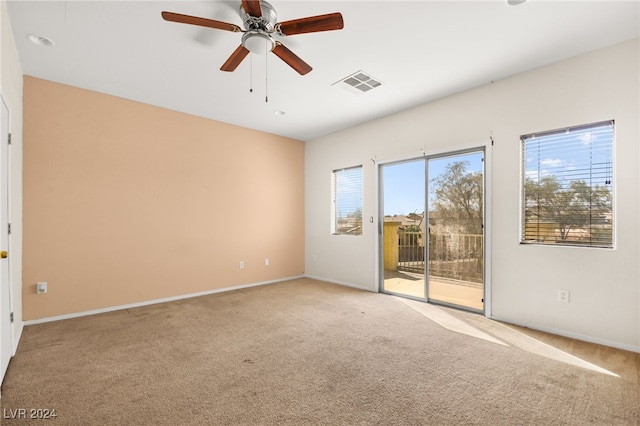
(314,277)
(16,338)
(577,336)
(153,302)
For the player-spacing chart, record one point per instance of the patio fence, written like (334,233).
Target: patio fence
(454,256)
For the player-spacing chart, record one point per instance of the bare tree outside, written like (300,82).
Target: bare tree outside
(459,197)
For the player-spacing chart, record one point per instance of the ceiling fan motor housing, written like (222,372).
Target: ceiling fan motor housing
(266,22)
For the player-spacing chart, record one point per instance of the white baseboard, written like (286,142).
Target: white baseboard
(571,335)
(313,277)
(16,338)
(577,336)
(153,302)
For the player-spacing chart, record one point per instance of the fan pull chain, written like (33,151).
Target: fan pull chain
(250,73)
(266,77)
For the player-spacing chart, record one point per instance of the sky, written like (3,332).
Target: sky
(580,154)
(403,183)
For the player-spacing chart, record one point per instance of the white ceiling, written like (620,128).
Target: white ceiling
(420,50)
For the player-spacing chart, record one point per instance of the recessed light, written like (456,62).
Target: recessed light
(515,2)
(40,40)
(279,112)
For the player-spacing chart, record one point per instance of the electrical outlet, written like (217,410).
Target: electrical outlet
(241,264)
(563,296)
(315,259)
(41,287)
(266,262)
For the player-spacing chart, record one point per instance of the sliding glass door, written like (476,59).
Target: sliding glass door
(456,243)
(433,229)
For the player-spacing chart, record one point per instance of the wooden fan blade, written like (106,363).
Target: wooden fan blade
(291,59)
(312,24)
(202,22)
(252,7)
(234,60)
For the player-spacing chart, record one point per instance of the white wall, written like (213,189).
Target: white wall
(11,90)
(604,284)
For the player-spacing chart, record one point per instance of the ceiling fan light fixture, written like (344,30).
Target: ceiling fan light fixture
(515,2)
(258,42)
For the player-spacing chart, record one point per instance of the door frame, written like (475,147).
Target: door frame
(484,146)
(5,285)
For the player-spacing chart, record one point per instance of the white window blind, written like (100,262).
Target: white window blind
(346,195)
(567,187)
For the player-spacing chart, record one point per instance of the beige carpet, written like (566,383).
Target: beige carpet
(307,352)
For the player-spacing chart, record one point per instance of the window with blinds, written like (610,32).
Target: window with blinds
(346,194)
(567,186)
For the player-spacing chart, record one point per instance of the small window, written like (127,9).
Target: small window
(567,186)
(346,195)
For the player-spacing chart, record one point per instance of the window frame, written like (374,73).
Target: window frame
(573,186)
(353,205)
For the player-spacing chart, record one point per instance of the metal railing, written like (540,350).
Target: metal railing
(454,256)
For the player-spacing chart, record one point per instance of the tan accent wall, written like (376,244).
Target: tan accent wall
(126,202)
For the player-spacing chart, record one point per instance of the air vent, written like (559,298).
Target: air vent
(358,82)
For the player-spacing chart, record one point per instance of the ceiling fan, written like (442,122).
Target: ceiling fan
(260,23)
